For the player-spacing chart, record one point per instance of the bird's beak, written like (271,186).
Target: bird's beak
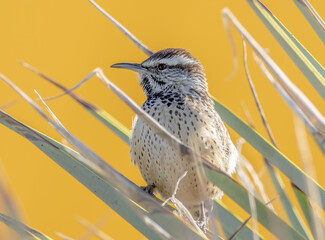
(130,66)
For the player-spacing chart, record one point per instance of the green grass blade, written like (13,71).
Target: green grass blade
(278,184)
(241,196)
(129,210)
(109,121)
(310,215)
(295,174)
(24,231)
(229,223)
(306,63)
(312,17)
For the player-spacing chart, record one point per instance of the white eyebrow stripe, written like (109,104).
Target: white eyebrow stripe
(175,60)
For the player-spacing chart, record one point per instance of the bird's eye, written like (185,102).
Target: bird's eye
(162,66)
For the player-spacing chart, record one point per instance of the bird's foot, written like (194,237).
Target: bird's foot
(202,222)
(149,189)
(203,225)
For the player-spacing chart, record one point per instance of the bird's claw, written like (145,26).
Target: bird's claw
(203,225)
(149,189)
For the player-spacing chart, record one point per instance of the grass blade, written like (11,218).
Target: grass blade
(287,205)
(306,63)
(315,224)
(312,17)
(24,231)
(308,211)
(129,35)
(241,196)
(93,229)
(239,230)
(229,223)
(64,237)
(241,227)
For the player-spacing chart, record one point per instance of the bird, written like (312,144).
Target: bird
(177,97)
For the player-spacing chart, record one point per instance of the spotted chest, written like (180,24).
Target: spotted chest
(197,125)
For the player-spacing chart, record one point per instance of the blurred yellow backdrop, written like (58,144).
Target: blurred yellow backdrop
(68,39)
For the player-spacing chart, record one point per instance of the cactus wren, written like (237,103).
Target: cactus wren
(177,97)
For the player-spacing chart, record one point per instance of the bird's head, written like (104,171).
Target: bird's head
(168,70)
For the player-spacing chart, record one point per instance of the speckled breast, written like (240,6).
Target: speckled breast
(196,125)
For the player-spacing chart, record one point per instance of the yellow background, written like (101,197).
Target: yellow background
(68,39)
